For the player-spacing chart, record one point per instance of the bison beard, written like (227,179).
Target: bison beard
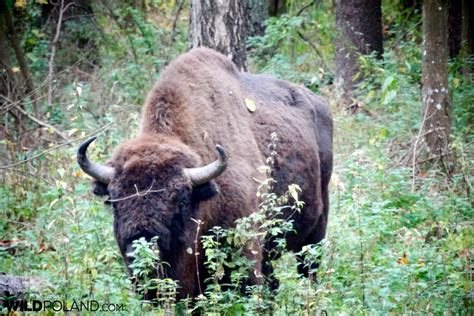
(197,103)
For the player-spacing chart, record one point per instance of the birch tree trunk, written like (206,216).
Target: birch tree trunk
(220,25)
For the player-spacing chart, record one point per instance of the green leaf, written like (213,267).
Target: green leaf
(387,83)
(389,97)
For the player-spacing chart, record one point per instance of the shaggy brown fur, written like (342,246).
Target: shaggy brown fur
(199,102)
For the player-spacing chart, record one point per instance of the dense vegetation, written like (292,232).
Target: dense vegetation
(400,235)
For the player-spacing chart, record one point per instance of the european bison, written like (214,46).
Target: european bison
(199,102)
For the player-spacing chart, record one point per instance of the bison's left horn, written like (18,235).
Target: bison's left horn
(205,174)
(97,171)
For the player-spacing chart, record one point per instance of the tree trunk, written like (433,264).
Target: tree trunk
(468,25)
(276,7)
(7,86)
(359,25)
(7,76)
(15,44)
(220,24)
(435,96)
(454,27)
(257,13)
(410,5)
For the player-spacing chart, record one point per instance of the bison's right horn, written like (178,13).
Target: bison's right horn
(205,174)
(97,171)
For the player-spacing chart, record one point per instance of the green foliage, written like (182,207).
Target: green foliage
(297,47)
(147,267)
(232,254)
(383,227)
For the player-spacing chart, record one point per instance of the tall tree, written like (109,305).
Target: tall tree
(461,28)
(9,26)
(276,7)
(7,85)
(220,24)
(257,13)
(359,25)
(435,96)
(454,27)
(468,25)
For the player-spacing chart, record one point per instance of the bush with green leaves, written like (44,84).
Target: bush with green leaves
(148,272)
(297,46)
(234,251)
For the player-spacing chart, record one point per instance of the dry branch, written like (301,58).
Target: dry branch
(41,123)
(415,147)
(54,148)
(17,106)
(315,50)
(138,193)
(175,22)
(54,42)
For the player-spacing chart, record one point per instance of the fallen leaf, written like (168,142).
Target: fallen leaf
(42,248)
(78,173)
(403,260)
(72,131)
(250,104)
(8,243)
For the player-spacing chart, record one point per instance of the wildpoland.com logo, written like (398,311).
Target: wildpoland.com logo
(61,306)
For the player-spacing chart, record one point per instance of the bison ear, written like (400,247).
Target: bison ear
(100,188)
(204,191)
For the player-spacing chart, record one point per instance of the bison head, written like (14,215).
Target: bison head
(154,190)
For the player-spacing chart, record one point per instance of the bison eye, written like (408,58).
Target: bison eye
(100,188)
(182,204)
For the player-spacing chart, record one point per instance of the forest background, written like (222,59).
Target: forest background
(398,75)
